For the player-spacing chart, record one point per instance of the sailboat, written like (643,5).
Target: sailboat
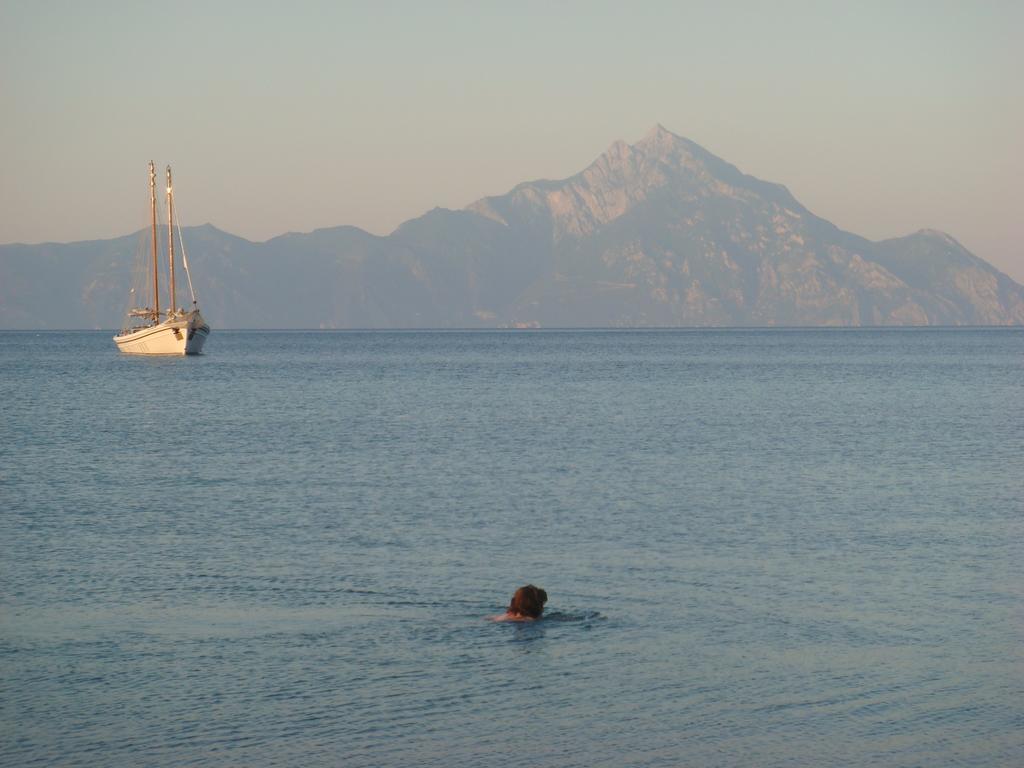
(175,331)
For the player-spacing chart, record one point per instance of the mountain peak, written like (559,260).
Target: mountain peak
(935,234)
(659,131)
(625,176)
(659,139)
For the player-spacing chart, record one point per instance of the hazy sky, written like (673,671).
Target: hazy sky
(883,117)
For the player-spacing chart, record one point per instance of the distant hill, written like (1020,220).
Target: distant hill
(658,233)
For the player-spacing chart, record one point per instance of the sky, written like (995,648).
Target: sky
(882,117)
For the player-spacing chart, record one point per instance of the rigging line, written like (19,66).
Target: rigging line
(184,255)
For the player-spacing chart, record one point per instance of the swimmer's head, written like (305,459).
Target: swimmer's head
(528,601)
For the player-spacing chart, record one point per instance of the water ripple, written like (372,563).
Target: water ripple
(776,548)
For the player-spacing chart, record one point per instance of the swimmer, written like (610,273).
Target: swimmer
(527,605)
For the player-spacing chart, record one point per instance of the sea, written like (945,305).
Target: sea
(761,548)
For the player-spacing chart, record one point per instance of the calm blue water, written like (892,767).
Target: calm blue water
(762,548)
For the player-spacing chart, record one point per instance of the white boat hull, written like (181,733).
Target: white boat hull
(179,336)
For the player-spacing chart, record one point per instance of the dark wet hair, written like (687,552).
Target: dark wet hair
(528,601)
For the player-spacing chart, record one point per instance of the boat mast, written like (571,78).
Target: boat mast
(152,212)
(170,235)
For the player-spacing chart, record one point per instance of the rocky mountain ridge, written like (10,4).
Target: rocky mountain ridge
(658,233)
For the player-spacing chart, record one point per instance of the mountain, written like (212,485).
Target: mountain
(658,233)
